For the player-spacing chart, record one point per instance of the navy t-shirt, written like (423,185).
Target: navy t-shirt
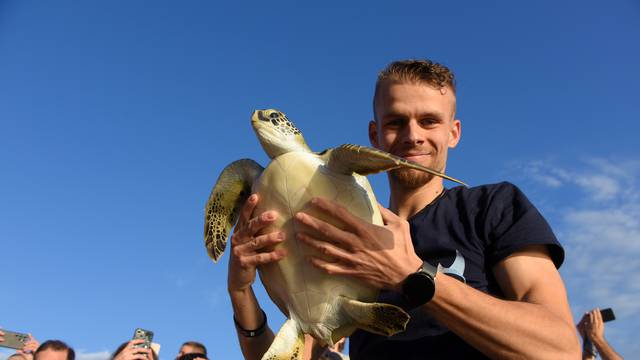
(467,231)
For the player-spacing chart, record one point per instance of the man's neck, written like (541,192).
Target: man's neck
(406,202)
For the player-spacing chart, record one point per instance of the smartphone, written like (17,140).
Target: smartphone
(607,314)
(147,335)
(14,340)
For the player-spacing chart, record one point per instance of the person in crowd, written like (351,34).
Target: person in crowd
(54,350)
(192,350)
(591,328)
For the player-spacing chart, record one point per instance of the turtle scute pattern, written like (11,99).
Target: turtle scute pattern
(280,120)
(215,218)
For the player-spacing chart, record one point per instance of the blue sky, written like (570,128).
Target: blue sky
(116,118)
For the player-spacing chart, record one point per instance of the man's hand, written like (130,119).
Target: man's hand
(591,325)
(249,251)
(382,256)
(131,353)
(29,348)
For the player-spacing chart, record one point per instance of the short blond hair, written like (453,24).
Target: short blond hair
(415,71)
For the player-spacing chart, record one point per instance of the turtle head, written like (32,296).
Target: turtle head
(276,133)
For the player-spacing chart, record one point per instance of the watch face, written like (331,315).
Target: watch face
(418,288)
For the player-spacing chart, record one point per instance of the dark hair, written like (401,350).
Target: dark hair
(196,344)
(55,345)
(124,345)
(415,71)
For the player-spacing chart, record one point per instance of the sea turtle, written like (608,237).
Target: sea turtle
(326,307)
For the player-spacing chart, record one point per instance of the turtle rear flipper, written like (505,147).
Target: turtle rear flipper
(347,159)
(288,343)
(378,318)
(227,197)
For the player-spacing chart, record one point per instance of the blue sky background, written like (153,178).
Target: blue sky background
(117,117)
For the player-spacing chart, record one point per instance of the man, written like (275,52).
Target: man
(591,328)
(198,350)
(475,267)
(54,350)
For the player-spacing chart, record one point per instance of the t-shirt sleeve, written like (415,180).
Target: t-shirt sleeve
(513,222)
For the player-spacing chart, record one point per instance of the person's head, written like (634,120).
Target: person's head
(414,107)
(54,350)
(192,347)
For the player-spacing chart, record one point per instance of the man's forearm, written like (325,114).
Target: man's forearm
(249,316)
(605,350)
(501,328)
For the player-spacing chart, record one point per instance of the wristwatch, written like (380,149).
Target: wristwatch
(419,287)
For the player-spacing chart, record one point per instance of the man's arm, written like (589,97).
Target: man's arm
(533,322)
(247,253)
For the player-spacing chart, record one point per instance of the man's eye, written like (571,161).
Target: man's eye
(428,122)
(394,122)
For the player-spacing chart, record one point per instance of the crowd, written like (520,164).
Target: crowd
(128,350)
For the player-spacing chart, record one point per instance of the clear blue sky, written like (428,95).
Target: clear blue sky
(117,116)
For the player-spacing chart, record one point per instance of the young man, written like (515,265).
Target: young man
(476,268)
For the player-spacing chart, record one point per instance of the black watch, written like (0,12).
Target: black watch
(418,288)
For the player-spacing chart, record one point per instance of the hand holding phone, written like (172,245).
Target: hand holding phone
(145,335)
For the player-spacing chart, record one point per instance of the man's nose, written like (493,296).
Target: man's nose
(413,133)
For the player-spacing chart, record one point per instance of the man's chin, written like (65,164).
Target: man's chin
(410,178)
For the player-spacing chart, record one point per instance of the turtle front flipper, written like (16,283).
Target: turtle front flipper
(347,159)
(378,318)
(223,207)
(288,343)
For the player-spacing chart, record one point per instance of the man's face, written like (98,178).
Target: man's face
(50,354)
(188,349)
(415,121)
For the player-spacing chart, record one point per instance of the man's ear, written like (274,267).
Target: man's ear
(373,133)
(454,133)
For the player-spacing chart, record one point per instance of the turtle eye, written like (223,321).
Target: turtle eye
(274,115)
(261,116)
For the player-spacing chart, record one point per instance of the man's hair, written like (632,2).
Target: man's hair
(415,71)
(55,345)
(196,344)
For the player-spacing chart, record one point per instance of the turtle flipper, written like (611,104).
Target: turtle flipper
(348,158)
(223,207)
(288,343)
(378,318)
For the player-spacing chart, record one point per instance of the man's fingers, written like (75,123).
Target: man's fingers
(598,316)
(246,233)
(330,232)
(331,268)
(247,209)
(262,258)
(336,211)
(324,247)
(258,243)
